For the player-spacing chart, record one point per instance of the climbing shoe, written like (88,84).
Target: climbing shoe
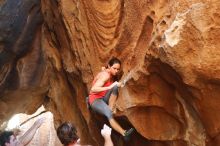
(128,134)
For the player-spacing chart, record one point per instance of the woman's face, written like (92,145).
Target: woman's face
(114,69)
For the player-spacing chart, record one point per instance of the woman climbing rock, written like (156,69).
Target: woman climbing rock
(104,93)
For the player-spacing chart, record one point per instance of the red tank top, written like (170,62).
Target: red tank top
(94,96)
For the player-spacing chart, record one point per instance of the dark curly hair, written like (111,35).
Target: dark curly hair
(66,132)
(5,137)
(113,61)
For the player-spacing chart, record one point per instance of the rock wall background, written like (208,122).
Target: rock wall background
(50,50)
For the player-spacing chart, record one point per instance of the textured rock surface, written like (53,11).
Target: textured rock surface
(51,50)
(45,135)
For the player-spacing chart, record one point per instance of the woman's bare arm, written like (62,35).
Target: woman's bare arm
(102,79)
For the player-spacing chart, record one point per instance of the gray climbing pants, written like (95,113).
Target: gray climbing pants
(100,105)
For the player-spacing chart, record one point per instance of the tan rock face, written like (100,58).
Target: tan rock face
(51,50)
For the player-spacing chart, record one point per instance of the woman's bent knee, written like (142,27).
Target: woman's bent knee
(115,87)
(115,90)
(109,116)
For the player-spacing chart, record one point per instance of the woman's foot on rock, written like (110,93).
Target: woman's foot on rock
(128,133)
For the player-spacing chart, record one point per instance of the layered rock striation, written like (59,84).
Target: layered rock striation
(51,50)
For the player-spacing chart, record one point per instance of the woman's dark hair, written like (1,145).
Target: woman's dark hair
(5,137)
(66,132)
(113,61)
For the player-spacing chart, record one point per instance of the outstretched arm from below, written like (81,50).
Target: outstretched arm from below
(29,134)
(106,133)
